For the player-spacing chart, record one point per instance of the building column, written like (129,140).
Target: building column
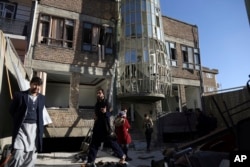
(74,92)
(158,130)
(43,76)
(132,112)
(182,95)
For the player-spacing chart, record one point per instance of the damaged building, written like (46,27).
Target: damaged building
(143,60)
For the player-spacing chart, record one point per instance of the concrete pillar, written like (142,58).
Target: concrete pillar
(74,92)
(43,76)
(132,112)
(157,111)
(182,95)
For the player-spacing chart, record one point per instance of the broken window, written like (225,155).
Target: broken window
(56,31)
(196,59)
(96,38)
(108,40)
(209,75)
(7,10)
(171,53)
(187,55)
(210,89)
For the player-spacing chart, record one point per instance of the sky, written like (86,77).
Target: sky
(224,35)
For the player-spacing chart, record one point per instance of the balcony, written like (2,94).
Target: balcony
(12,26)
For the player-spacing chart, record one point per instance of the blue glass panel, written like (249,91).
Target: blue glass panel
(152,8)
(127,57)
(132,17)
(138,6)
(128,18)
(108,50)
(133,56)
(139,30)
(143,5)
(128,31)
(132,5)
(122,8)
(109,30)
(145,56)
(149,18)
(127,6)
(150,32)
(138,17)
(148,6)
(86,47)
(133,30)
(144,30)
(153,20)
(87,25)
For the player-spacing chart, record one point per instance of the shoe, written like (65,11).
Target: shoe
(88,165)
(123,160)
(128,159)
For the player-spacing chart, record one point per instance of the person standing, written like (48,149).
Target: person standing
(26,110)
(148,126)
(101,132)
(122,127)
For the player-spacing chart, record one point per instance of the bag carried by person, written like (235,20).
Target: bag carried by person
(85,144)
(110,132)
(149,128)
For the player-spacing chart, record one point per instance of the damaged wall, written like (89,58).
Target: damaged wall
(236,102)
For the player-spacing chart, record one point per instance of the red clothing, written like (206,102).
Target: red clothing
(122,127)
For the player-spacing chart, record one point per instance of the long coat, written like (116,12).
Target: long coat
(102,121)
(122,127)
(18,109)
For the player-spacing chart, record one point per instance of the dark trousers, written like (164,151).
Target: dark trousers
(96,143)
(125,148)
(148,139)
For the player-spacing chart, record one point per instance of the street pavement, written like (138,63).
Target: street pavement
(140,157)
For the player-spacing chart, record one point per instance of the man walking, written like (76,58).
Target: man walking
(26,110)
(101,131)
(148,126)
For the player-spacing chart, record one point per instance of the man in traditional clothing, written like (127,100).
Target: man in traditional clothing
(26,110)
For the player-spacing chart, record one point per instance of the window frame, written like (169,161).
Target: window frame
(209,75)
(61,25)
(105,38)
(189,57)
(197,60)
(172,53)
(3,10)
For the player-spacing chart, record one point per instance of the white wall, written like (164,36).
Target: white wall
(57,95)
(193,97)
(87,96)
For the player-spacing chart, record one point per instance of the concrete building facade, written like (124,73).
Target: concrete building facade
(209,80)
(148,62)
(182,43)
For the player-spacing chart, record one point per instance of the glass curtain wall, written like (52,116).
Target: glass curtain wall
(143,66)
